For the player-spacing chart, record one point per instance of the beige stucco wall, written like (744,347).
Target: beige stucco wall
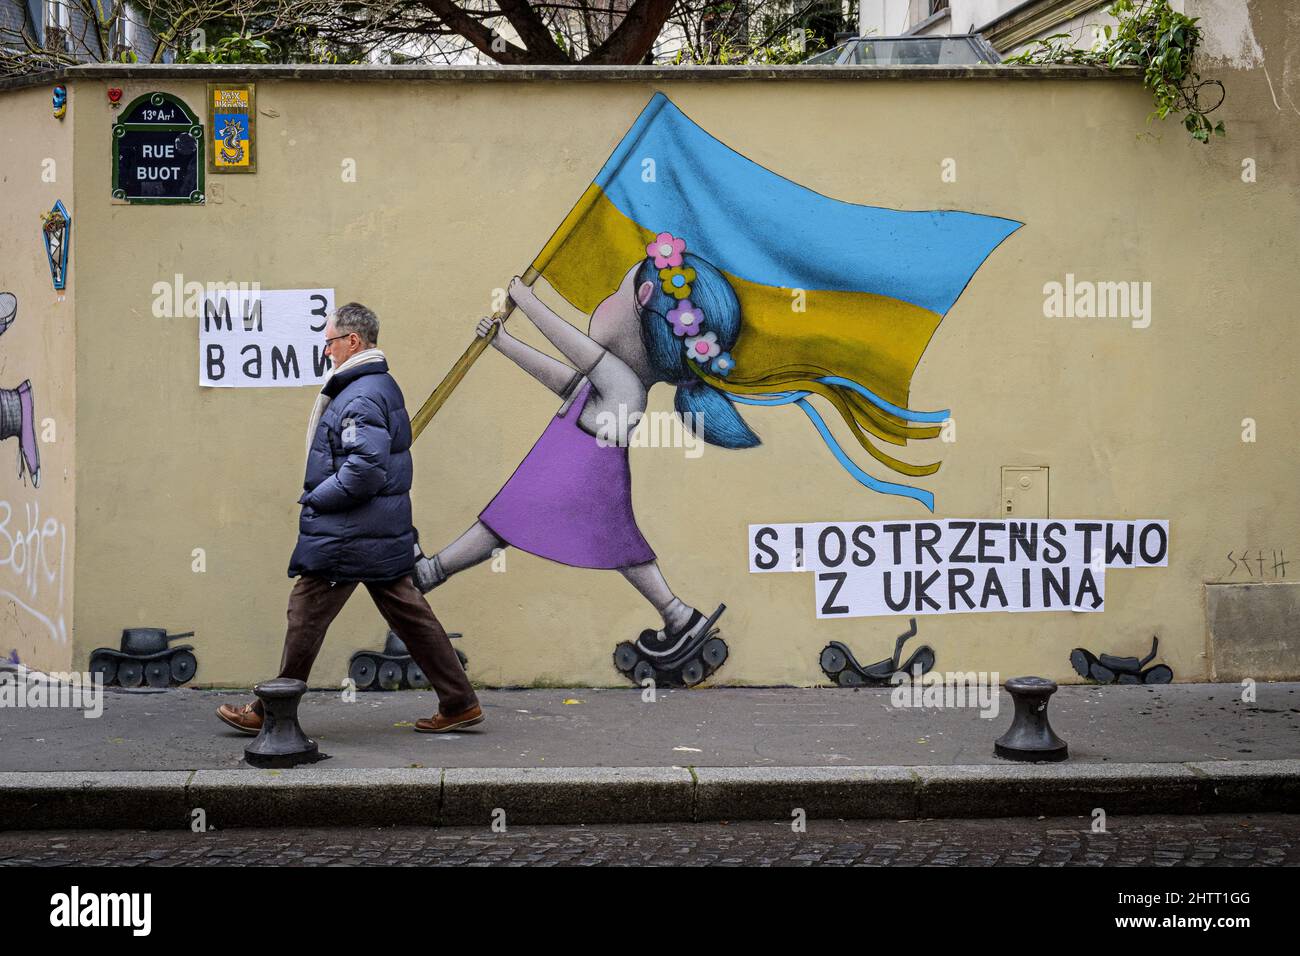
(37,533)
(458,185)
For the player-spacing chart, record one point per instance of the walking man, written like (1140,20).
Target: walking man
(355,526)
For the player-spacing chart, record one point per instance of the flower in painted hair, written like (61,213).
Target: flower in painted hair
(667,250)
(686,318)
(703,347)
(722,364)
(677,282)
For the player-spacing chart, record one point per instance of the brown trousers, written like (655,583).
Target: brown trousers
(315,602)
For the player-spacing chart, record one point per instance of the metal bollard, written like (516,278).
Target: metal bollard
(281,742)
(1030,736)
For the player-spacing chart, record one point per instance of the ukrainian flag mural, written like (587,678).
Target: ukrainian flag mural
(836,299)
(706,272)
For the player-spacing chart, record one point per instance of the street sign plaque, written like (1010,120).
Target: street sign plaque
(157,146)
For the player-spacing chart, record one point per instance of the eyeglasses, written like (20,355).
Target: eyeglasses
(328,339)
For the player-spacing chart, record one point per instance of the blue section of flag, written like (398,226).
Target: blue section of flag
(762,227)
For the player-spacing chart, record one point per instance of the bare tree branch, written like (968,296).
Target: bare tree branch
(541,45)
(635,35)
(536,32)
(476,32)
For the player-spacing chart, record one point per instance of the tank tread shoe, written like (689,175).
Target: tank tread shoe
(692,664)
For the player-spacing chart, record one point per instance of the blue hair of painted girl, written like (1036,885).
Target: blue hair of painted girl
(716,419)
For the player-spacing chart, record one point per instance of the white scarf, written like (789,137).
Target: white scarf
(322,400)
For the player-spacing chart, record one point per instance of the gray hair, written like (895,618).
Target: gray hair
(355,317)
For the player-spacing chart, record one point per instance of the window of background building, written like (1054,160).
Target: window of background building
(128,31)
(58,25)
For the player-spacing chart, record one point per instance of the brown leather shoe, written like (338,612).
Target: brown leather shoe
(244,719)
(441,724)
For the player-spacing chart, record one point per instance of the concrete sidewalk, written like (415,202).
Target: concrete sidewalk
(576,755)
(716,727)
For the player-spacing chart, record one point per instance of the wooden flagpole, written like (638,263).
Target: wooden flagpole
(458,371)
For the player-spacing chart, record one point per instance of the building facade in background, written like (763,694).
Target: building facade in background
(1008,25)
(68,27)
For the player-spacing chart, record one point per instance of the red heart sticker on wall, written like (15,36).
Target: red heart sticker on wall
(114,94)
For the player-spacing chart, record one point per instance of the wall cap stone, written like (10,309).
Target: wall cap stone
(492,74)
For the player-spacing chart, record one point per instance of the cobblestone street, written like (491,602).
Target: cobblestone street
(1226,840)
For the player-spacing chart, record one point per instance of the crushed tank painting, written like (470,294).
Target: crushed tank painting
(840,665)
(739,289)
(1120,669)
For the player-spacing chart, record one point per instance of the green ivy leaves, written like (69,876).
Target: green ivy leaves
(1160,41)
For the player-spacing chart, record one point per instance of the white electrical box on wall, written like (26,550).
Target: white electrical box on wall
(1024,491)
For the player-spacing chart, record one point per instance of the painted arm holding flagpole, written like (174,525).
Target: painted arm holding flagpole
(551,372)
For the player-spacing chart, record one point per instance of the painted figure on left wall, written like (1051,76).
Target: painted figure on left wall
(18,407)
(18,420)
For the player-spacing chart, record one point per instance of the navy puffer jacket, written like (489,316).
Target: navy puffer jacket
(356,503)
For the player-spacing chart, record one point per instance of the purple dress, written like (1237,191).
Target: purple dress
(570,500)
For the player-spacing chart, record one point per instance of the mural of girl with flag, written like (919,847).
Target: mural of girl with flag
(733,285)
